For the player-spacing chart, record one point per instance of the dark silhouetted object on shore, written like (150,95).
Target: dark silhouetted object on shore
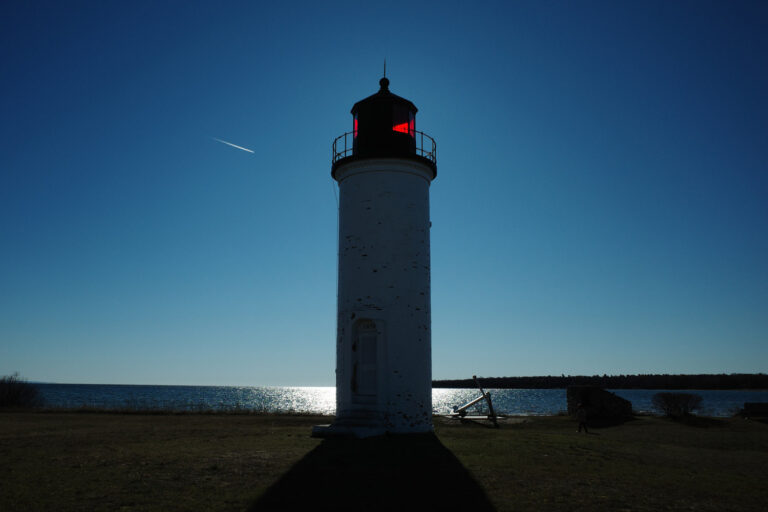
(16,392)
(755,410)
(600,406)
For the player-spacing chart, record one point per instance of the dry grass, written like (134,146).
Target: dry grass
(646,464)
(68,461)
(55,461)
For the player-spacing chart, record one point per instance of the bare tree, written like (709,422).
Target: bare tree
(676,404)
(17,392)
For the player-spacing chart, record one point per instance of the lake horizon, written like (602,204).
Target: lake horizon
(322,399)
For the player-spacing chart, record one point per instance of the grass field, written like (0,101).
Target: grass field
(100,461)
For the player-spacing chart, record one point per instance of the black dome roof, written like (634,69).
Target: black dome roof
(385,96)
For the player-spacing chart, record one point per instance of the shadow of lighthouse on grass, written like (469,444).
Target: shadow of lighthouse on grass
(409,472)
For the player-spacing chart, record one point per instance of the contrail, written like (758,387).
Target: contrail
(233,145)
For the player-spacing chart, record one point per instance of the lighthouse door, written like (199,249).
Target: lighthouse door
(365,356)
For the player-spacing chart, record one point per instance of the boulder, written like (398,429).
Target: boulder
(601,405)
(756,409)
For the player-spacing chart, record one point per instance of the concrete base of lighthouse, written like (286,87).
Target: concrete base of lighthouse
(383,359)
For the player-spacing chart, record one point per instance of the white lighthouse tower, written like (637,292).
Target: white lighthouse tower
(384,168)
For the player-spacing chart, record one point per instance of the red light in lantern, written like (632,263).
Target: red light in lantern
(402,128)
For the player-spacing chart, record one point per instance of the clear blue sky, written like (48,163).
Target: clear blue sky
(601,204)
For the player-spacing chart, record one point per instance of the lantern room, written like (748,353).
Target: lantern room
(384,126)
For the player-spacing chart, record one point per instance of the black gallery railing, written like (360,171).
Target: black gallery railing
(343,146)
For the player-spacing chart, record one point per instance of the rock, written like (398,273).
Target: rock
(755,409)
(601,405)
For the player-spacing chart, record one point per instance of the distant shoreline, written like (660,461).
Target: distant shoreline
(713,382)
(732,381)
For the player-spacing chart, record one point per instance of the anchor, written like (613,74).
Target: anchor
(460,412)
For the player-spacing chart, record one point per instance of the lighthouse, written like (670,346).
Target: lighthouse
(384,168)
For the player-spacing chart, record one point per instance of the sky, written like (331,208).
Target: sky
(601,204)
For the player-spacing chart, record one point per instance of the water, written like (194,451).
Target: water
(322,400)
(316,400)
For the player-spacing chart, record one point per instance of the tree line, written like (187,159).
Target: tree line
(641,381)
